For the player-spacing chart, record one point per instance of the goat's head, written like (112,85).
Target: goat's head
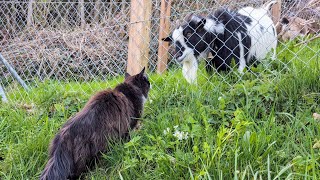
(189,38)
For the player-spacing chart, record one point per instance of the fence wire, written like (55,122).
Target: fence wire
(88,40)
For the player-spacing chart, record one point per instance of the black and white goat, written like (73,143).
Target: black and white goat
(246,35)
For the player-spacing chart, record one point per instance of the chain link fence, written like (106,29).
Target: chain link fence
(88,40)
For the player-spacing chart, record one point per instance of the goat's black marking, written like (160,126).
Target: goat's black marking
(179,49)
(274,31)
(228,43)
(199,38)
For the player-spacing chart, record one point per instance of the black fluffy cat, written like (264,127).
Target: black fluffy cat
(108,115)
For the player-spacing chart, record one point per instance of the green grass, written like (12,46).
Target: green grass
(260,127)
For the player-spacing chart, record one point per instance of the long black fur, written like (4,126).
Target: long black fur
(107,116)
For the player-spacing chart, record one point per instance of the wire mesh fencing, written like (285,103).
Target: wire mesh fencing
(89,40)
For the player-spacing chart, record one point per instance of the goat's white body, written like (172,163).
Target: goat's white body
(262,41)
(214,27)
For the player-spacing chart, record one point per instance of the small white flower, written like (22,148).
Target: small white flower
(186,135)
(172,159)
(220,98)
(178,135)
(166,131)
(175,127)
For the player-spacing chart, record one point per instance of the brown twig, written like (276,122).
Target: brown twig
(309,40)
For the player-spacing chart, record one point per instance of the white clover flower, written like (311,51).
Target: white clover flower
(178,135)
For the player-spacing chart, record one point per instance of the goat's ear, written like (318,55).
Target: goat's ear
(167,39)
(284,20)
(201,23)
(126,75)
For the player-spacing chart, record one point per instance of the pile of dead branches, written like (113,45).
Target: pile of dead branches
(299,18)
(96,51)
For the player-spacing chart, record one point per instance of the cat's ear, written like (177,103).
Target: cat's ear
(126,75)
(142,72)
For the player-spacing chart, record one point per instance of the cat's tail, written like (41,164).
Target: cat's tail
(59,165)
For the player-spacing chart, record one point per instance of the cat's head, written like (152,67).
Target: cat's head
(139,80)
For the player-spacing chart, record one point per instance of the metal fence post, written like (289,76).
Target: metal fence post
(3,95)
(13,72)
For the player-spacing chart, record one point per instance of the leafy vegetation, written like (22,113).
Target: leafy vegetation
(253,126)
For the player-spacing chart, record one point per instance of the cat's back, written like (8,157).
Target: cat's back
(101,111)
(106,103)
(106,99)
(103,104)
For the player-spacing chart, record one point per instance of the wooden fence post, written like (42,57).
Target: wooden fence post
(82,18)
(96,11)
(276,14)
(139,35)
(30,13)
(163,32)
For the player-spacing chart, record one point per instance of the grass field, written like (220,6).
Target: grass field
(259,126)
